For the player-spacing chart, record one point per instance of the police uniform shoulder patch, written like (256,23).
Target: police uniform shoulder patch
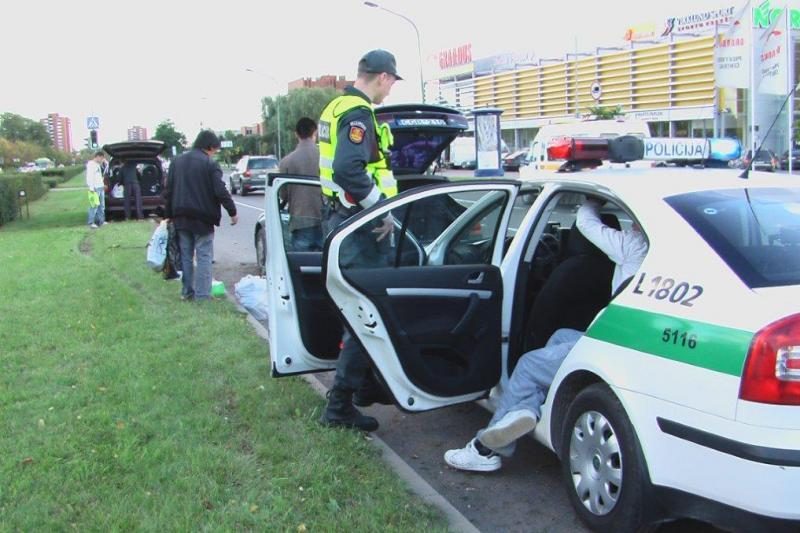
(357,131)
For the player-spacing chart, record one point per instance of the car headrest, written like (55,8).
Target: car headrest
(578,244)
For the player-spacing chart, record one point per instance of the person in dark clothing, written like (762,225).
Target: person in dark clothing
(195,191)
(133,190)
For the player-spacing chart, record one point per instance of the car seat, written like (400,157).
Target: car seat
(575,291)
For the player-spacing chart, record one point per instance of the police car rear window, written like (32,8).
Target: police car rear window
(755,231)
(262,163)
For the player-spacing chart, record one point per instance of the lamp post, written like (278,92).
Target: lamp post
(419,47)
(277,104)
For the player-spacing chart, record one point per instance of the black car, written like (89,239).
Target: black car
(765,160)
(784,164)
(150,173)
(421,133)
(250,173)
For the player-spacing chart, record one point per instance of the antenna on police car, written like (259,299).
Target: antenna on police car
(746,174)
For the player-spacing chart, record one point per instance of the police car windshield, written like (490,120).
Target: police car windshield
(755,231)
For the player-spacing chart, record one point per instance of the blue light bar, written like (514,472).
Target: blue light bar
(725,149)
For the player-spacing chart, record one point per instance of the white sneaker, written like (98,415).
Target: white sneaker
(509,428)
(468,458)
(93,226)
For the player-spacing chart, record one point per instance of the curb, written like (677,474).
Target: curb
(457,521)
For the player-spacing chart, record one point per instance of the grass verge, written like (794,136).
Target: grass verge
(124,408)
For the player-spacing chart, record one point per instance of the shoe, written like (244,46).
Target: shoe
(468,458)
(509,428)
(341,413)
(371,392)
(93,225)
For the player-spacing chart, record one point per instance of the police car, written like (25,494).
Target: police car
(681,400)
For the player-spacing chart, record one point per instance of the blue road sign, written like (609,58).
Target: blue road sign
(92,123)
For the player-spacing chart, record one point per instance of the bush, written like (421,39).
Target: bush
(10,185)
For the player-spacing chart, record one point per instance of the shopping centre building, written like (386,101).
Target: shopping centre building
(663,74)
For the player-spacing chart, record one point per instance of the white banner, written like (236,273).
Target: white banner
(773,58)
(732,59)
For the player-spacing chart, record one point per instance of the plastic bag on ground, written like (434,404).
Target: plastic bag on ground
(251,291)
(157,247)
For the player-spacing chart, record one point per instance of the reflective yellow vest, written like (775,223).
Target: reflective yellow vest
(328,132)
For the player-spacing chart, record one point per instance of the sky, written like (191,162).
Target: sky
(140,63)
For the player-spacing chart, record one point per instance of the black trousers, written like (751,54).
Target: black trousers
(133,190)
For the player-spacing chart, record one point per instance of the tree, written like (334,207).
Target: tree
(18,128)
(306,102)
(167,133)
(605,113)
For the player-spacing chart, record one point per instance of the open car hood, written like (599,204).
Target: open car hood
(134,149)
(421,133)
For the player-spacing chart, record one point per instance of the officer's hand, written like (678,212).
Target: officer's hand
(386,228)
(234,220)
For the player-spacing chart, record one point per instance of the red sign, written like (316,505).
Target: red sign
(455,57)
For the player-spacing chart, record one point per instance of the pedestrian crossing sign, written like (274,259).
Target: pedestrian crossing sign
(92,123)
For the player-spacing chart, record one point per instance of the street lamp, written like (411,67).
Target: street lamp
(277,104)
(419,47)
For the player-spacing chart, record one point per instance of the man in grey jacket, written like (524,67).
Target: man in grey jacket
(194,194)
(305,202)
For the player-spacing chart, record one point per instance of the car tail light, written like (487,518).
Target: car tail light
(246,174)
(572,149)
(772,369)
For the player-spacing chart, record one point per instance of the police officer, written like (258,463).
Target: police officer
(355,174)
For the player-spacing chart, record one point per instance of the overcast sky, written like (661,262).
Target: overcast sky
(137,63)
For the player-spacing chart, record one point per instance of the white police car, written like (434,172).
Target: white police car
(683,397)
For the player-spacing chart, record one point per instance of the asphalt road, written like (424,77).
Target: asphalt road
(526,495)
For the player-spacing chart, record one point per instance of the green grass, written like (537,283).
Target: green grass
(79,180)
(123,408)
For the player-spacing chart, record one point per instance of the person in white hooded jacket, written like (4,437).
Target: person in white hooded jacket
(94,181)
(520,404)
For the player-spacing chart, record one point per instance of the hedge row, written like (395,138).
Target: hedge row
(10,185)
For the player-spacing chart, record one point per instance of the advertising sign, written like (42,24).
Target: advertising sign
(455,61)
(731,61)
(773,58)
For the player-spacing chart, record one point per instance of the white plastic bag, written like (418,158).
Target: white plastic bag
(157,247)
(118,191)
(251,291)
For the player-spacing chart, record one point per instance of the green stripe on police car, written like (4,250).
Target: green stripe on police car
(700,344)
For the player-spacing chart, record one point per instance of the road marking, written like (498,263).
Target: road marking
(248,205)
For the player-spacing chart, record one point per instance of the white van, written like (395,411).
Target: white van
(537,153)
(462,153)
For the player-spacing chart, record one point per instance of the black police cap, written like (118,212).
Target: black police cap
(377,61)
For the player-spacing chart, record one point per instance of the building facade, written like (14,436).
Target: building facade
(255,129)
(327,81)
(137,133)
(666,78)
(60,130)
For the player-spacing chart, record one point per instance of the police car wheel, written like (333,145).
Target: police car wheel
(602,464)
(261,251)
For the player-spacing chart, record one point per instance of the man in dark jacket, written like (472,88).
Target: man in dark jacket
(133,190)
(194,194)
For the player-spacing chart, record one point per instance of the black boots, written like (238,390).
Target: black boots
(371,392)
(340,412)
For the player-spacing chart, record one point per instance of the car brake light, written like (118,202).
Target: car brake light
(572,149)
(772,369)
(246,174)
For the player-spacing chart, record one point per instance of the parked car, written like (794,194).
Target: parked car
(152,178)
(685,377)
(784,163)
(514,160)
(250,173)
(765,160)
(421,133)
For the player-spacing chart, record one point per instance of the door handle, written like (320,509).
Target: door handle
(476,279)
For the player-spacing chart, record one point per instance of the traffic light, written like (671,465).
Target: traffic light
(93,137)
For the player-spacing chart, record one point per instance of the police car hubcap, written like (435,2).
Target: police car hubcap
(596,463)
